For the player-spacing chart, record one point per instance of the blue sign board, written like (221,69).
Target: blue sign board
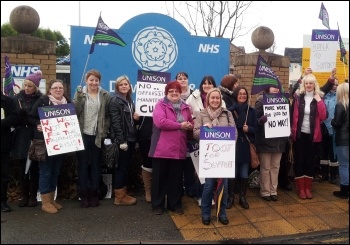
(155,42)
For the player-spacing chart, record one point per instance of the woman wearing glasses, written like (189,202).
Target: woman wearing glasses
(172,119)
(50,167)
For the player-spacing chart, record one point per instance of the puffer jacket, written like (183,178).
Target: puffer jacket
(168,140)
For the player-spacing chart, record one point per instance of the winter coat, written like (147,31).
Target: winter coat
(122,123)
(318,113)
(33,116)
(340,123)
(268,145)
(225,119)
(103,120)
(9,119)
(227,96)
(144,128)
(23,133)
(168,140)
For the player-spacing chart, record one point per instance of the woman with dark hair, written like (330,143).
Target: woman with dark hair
(172,119)
(246,124)
(227,85)
(123,127)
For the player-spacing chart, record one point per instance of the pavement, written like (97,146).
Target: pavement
(289,220)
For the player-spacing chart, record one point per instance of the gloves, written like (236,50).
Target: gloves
(124,146)
(79,89)
(262,119)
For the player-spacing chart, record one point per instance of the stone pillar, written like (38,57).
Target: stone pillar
(245,64)
(25,49)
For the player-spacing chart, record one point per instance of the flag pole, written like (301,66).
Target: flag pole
(82,77)
(345,75)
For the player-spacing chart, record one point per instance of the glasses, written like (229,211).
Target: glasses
(173,91)
(57,88)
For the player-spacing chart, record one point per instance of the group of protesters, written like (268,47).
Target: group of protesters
(318,119)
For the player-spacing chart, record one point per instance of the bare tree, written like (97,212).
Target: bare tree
(273,48)
(213,18)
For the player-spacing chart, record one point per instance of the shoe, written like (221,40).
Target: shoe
(206,221)
(223,220)
(266,198)
(158,211)
(274,198)
(287,187)
(5,207)
(179,211)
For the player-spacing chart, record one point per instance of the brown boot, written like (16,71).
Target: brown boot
(121,198)
(55,204)
(147,182)
(308,184)
(47,205)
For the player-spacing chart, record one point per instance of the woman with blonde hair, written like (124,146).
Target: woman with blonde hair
(123,129)
(340,124)
(308,111)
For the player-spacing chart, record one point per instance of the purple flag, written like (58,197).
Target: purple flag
(264,77)
(342,50)
(103,34)
(9,82)
(323,15)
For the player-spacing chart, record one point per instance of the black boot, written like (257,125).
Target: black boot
(231,193)
(25,193)
(324,170)
(333,170)
(32,202)
(343,193)
(243,184)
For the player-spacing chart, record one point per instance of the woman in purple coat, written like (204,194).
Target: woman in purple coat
(172,120)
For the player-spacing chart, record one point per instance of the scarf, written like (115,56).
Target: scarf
(241,110)
(56,101)
(177,108)
(214,115)
(204,99)
(185,95)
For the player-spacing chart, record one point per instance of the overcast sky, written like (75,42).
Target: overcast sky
(288,20)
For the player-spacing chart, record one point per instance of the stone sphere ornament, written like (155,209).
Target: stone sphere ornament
(263,38)
(24,19)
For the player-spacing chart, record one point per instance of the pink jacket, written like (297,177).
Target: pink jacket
(168,140)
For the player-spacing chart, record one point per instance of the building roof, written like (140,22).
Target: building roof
(294,54)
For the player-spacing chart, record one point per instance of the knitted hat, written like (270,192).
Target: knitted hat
(35,77)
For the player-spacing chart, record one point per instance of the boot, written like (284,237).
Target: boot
(94,200)
(333,170)
(243,184)
(231,192)
(299,182)
(343,193)
(33,193)
(121,198)
(324,170)
(84,199)
(307,186)
(55,204)
(147,182)
(25,193)
(47,205)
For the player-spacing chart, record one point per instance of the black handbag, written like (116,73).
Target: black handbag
(37,150)
(110,154)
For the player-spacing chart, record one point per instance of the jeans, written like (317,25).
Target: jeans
(89,167)
(48,173)
(207,197)
(343,159)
